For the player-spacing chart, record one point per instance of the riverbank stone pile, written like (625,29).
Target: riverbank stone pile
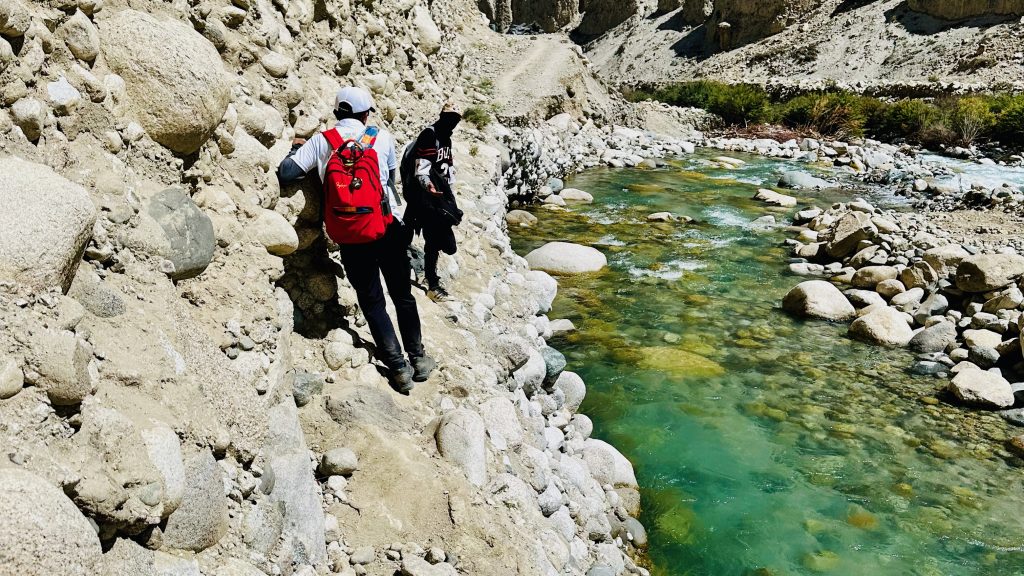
(912,286)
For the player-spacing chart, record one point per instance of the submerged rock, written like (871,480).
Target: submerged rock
(678,360)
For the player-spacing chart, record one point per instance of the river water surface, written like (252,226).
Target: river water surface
(765,445)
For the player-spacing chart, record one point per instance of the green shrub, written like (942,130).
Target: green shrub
(970,118)
(740,104)
(477,116)
(837,114)
(901,119)
(1009,123)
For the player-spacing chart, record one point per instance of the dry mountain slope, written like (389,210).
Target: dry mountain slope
(871,43)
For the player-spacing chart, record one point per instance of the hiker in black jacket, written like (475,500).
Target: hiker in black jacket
(428,172)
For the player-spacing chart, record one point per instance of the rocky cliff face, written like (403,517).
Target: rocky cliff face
(186,385)
(963,9)
(736,22)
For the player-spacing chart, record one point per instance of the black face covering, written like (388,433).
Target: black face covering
(447,123)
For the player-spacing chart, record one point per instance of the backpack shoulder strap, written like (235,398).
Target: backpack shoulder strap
(334,139)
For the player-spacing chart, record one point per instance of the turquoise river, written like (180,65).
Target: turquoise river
(766,445)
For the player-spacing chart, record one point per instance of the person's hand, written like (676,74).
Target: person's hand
(298,141)
(433,190)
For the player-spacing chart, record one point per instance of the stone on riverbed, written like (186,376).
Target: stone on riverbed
(773,198)
(818,299)
(566,258)
(802,180)
(987,272)
(882,326)
(520,218)
(576,195)
(679,360)
(983,388)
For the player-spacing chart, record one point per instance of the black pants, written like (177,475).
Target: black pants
(437,238)
(364,265)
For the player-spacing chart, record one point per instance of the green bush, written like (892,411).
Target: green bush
(902,119)
(970,119)
(1009,123)
(737,104)
(477,116)
(837,114)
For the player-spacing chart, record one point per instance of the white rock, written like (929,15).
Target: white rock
(460,439)
(275,233)
(773,198)
(983,388)
(884,325)
(566,258)
(11,378)
(576,195)
(818,299)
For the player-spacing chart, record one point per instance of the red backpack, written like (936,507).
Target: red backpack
(356,208)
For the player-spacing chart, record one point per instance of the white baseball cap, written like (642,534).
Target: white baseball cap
(358,99)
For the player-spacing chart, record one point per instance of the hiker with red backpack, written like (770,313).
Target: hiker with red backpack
(357,165)
(428,183)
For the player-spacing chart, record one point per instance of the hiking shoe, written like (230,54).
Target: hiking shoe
(422,367)
(401,379)
(438,294)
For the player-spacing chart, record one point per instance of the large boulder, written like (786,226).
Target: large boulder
(945,259)
(982,388)
(45,223)
(964,9)
(566,258)
(802,181)
(173,227)
(460,439)
(843,237)
(608,465)
(773,198)
(818,299)
(934,338)
(499,12)
(42,531)
(988,272)
(202,518)
(884,325)
(600,16)
(176,84)
(62,365)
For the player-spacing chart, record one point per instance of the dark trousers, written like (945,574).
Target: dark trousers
(364,265)
(437,238)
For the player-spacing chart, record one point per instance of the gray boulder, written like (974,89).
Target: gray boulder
(202,518)
(95,296)
(460,439)
(45,223)
(42,531)
(11,378)
(803,181)
(176,84)
(935,338)
(304,523)
(554,363)
(945,259)
(502,422)
(818,299)
(988,272)
(189,239)
(82,37)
